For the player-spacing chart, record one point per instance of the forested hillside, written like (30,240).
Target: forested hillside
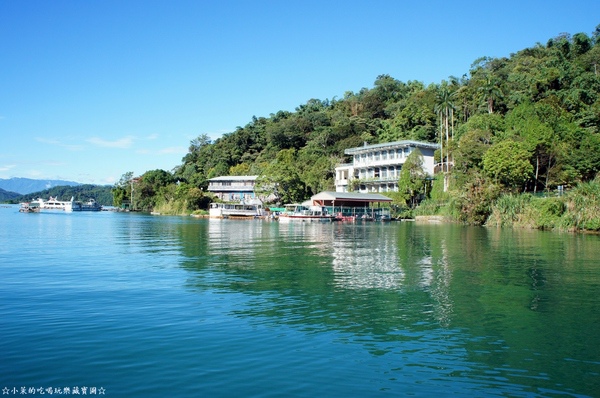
(527,122)
(101,194)
(6,196)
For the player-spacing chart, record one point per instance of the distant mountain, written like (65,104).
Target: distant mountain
(24,186)
(7,195)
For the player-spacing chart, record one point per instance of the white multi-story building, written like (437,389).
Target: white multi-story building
(237,189)
(376,168)
(233,188)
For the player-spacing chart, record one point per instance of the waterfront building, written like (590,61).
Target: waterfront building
(233,188)
(376,168)
(350,206)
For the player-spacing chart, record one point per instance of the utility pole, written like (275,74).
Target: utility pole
(131,201)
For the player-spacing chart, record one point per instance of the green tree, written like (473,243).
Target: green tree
(507,162)
(149,186)
(281,179)
(241,169)
(413,179)
(490,92)
(538,136)
(122,189)
(470,150)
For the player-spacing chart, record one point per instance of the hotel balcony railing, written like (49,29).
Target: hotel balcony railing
(368,181)
(379,162)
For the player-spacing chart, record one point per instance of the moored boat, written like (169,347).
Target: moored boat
(29,207)
(235,210)
(90,205)
(299,212)
(53,204)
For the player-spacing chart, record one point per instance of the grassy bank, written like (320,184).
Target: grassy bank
(177,208)
(576,210)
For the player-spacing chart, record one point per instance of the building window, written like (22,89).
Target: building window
(376,172)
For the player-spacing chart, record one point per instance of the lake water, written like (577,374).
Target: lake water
(120,304)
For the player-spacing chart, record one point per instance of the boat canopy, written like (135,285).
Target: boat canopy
(352,199)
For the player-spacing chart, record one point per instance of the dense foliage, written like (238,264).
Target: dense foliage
(7,196)
(523,123)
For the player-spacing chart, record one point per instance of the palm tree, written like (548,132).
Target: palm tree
(489,93)
(444,107)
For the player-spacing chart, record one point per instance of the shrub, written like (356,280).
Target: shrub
(583,207)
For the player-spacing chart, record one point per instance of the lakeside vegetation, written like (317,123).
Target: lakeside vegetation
(510,129)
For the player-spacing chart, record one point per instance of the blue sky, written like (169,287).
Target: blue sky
(90,90)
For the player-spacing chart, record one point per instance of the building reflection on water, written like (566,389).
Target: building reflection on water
(369,256)
(363,261)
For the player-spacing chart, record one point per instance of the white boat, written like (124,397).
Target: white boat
(299,212)
(29,207)
(53,204)
(235,210)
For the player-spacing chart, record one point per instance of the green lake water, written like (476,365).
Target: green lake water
(120,304)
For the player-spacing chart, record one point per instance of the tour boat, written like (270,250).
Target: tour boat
(299,212)
(235,210)
(90,205)
(53,204)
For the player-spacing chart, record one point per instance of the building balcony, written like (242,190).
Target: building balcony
(380,162)
(231,188)
(377,180)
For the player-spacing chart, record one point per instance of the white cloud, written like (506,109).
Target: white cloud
(7,167)
(71,147)
(35,173)
(122,143)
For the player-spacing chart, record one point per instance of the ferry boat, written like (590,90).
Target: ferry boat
(299,212)
(53,204)
(90,205)
(235,210)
